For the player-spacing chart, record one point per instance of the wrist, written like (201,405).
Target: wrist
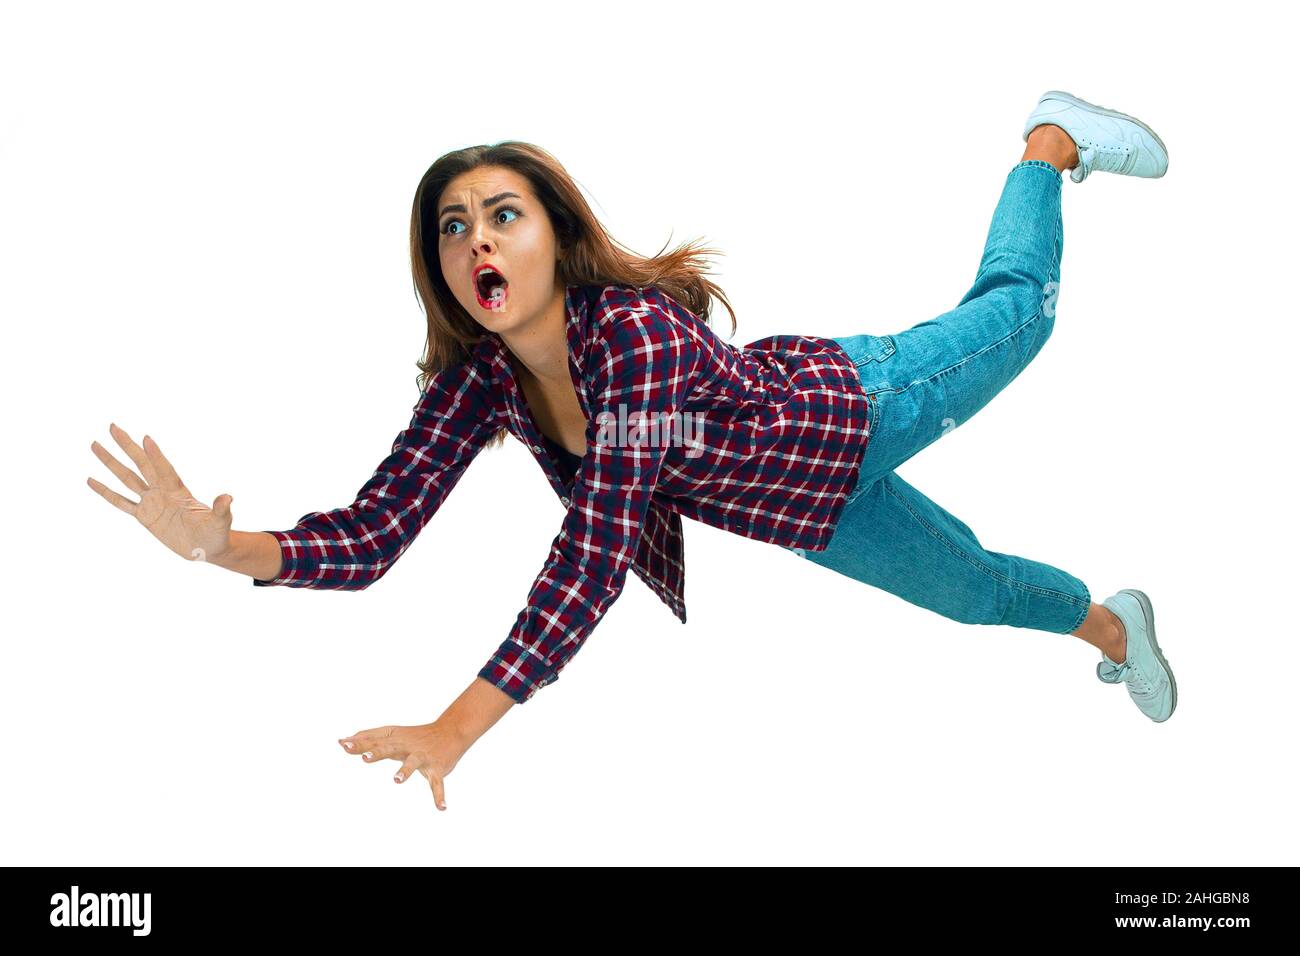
(458,739)
(222,558)
(471,714)
(255,553)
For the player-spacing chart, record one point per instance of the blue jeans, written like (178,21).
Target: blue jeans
(933,377)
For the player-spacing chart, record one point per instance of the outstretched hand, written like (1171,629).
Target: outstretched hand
(431,749)
(166,507)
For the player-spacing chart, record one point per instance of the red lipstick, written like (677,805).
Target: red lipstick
(492,292)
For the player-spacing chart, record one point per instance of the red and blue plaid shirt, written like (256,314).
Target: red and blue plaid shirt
(763,440)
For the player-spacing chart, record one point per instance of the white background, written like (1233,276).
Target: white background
(204,229)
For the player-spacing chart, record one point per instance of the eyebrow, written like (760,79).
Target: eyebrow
(490,201)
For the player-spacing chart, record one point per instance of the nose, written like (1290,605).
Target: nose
(482,241)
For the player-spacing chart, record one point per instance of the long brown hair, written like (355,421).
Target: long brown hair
(590,255)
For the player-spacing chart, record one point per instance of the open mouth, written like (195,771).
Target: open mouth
(491,288)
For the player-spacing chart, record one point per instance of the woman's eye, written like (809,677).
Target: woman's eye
(447,230)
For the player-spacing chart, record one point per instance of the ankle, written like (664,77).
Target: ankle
(1053,145)
(1118,650)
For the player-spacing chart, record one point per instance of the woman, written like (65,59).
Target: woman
(603,364)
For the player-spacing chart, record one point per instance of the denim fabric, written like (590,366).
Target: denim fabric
(932,378)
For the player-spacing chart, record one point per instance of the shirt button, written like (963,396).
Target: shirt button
(565,502)
(537,448)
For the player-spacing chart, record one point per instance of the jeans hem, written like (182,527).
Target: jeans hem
(1036,162)
(1083,615)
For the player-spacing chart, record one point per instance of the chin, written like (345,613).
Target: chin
(494,320)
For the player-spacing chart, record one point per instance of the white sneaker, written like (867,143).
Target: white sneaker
(1145,670)
(1108,141)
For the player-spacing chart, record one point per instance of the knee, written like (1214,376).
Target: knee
(1022,294)
(1035,302)
(1034,296)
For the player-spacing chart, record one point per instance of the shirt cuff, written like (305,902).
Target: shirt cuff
(517,672)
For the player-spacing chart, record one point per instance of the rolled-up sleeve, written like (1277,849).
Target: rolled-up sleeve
(639,369)
(351,548)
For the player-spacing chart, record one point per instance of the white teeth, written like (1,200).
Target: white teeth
(496,298)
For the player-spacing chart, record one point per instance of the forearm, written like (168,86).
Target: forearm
(471,714)
(255,553)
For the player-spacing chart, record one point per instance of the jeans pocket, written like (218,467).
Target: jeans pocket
(867,349)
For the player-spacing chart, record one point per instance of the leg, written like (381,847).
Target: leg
(895,538)
(934,376)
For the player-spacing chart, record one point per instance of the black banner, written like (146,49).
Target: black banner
(401,905)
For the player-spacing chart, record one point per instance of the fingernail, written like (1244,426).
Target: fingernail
(397,777)
(367,754)
(346,743)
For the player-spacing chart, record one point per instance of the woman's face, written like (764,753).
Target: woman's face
(489,216)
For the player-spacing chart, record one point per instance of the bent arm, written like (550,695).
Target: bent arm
(351,548)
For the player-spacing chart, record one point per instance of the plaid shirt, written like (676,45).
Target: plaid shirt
(764,440)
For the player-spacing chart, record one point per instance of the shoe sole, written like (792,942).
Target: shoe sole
(1150,615)
(1084,104)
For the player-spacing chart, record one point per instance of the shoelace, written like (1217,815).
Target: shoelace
(1126,672)
(1109,159)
